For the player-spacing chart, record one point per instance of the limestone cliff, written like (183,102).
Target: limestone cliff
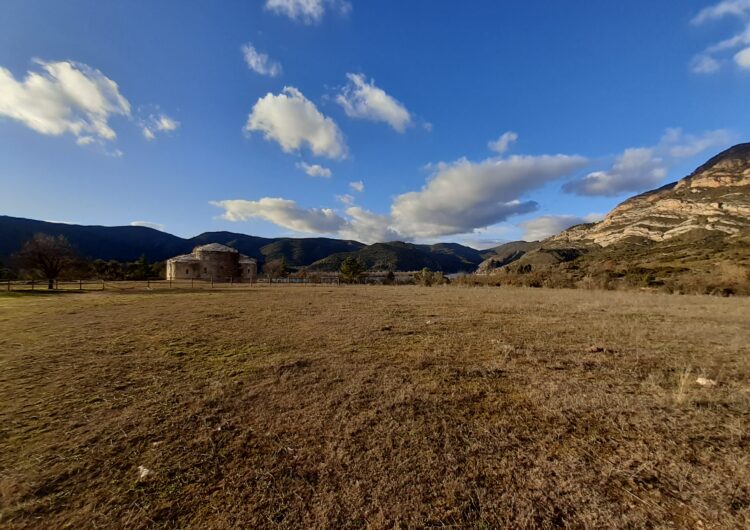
(715,197)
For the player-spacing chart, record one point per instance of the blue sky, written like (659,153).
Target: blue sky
(420,120)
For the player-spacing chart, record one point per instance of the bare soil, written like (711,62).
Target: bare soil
(377,407)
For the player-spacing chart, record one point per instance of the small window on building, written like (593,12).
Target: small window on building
(187,271)
(205,269)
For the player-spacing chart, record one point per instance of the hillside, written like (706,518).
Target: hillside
(690,236)
(128,243)
(397,255)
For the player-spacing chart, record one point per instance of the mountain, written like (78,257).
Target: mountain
(397,255)
(715,197)
(122,243)
(128,243)
(692,235)
(296,251)
(505,254)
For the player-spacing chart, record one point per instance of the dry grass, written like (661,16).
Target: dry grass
(379,407)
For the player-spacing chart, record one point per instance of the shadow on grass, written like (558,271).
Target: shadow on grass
(36,292)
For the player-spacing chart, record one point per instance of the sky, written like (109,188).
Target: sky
(425,121)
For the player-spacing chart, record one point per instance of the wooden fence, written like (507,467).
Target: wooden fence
(160,284)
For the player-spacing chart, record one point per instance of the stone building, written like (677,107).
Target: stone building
(213,262)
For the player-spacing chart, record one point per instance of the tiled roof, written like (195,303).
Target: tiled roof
(215,247)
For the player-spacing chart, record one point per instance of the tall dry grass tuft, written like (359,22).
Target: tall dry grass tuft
(683,384)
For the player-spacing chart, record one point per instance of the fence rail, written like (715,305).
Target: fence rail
(124,285)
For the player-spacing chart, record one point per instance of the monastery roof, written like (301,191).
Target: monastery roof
(184,257)
(214,247)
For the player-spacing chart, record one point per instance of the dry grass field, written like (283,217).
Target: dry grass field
(376,407)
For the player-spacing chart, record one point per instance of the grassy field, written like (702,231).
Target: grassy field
(378,407)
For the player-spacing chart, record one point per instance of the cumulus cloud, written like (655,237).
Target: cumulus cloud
(315,170)
(260,62)
(722,9)
(292,120)
(364,100)
(308,11)
(502,144)
(706,62)
(463,195)
(548,225)
(148,224)
(155,124)
(345,199)
(742,58)
(367,226)
(358,223)
(357,185)
(283,212)
(63,97)
(640,168)
(635,169)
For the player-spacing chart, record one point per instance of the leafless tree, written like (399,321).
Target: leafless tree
(275,269)
(47,254)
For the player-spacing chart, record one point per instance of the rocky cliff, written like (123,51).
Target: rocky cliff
(715,197)
(689,236)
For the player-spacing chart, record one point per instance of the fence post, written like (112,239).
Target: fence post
(102,284)
(148,283)
(8,285)
(32,285)
(231,281)
(80,285)
(212,281)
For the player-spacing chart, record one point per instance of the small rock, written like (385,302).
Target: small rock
(429,322)
(143,472)
(705,381)
(595,349)
(386,328)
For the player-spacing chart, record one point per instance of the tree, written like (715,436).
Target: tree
(275,268)
(351,270)
(427,278)
(47,254)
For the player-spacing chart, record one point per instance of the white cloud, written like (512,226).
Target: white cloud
(722,9)
(345,199)
(307,11)
(706,61)
(260,62)
(283,212)
(315,170)
(502,144)
(160,123)
(364,100)
(65,97)
(359,224)
(548,225)
(742,58)
(148,224)
(634,170)
(357,185)
(291,120)
(704,64)
(640,168)
(463,196)
(367,227)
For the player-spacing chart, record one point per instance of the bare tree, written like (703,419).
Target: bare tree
(47,254)
(275,269)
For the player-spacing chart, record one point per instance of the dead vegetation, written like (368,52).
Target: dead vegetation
(379,407)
